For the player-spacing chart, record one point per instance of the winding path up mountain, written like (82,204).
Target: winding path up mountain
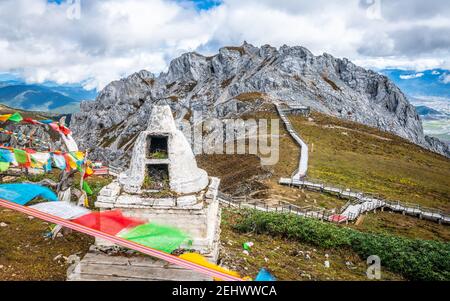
(304,152)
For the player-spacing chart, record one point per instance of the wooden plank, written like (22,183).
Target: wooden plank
(86,277)
(138,272)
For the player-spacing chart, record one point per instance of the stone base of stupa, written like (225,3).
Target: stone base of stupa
(198,215)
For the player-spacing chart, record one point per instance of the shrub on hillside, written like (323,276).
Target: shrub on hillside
(413,258)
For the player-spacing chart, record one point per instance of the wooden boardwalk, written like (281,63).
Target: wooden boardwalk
(362,203)
(280,207)
(303,160)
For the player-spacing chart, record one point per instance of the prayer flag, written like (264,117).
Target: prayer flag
(23,193)
(163,238)
(60,161)
(4,166)
(16,117)
(4,118)
(22,157)
(86,188)
(111,222)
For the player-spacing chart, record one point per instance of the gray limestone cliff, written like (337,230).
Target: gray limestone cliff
(238,80)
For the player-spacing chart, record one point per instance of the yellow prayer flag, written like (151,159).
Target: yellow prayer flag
(89,171)
(79,155)
(199,259)
(5,117)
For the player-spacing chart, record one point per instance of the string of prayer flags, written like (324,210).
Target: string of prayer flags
(56,126)
(63,161)
(151,239)
(36,159)
(16,117)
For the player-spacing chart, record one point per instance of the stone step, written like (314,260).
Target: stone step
(97,266)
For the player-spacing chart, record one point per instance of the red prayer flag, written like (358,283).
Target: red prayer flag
(66,131)
(30,151)
(30,120)
(111,222)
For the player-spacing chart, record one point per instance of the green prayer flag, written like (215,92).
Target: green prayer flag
(163,238)
(21,156)
(86,188)
(16,117)
(4,166)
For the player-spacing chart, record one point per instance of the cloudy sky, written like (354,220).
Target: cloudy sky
(95,42)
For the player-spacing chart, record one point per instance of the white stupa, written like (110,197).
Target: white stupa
(163,147)
(163,185)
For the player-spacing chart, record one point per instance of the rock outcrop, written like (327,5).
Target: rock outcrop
(239,80)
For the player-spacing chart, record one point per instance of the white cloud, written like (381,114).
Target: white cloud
(412,76)
(435,72)
(114,38)
(440,104)
(445,78)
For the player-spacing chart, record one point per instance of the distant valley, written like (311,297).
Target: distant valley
(50,97)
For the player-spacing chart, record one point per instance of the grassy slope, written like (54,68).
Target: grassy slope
(26,255)
(287,259)
(407,226)
(357,156)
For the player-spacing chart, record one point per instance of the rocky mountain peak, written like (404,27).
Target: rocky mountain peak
(239,79)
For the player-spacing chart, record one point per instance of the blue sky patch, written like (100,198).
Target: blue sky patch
(422,83)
